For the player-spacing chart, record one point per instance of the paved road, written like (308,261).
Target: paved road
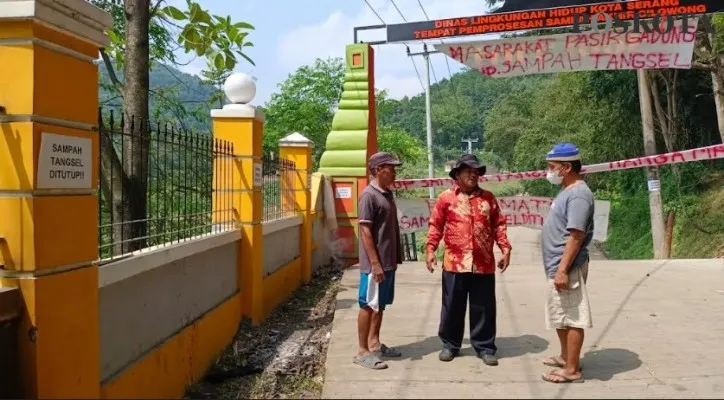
(658,333)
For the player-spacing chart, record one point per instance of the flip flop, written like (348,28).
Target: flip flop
(385,351)
(370,361)
(553,377)
(553,362)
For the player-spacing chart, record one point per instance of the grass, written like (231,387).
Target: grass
(629,229)
(698,232)
(285,386)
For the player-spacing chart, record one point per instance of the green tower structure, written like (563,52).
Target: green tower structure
(351,142)
(354,128)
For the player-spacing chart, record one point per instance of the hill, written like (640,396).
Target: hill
(518,119)
(176,97)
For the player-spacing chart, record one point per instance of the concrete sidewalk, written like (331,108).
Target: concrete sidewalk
(658,332)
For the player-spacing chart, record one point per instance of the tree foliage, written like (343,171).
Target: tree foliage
(217,39)
(145,34)
(305,103)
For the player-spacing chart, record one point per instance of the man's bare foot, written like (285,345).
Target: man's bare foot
(562,376)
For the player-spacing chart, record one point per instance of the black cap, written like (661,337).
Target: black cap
(383,158)
(469,160)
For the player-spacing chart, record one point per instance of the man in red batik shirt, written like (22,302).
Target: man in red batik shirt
(470,220)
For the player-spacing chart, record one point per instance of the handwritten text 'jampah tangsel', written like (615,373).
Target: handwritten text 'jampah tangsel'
(584,51)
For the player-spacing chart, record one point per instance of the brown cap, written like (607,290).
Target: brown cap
(383,158)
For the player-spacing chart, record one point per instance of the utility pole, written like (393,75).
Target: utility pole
(428,120)
(470,144)
(654,185)
(428,117)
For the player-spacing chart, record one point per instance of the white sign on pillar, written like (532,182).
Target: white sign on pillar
(64,162)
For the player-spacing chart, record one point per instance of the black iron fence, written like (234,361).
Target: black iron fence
(280,184)
(409,247)
(157,184)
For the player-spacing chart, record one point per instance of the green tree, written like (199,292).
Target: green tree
(146,33)
(405,146)
(305,103)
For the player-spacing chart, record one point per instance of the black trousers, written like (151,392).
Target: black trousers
(480,289)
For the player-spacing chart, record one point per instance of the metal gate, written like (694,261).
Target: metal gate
(409,247)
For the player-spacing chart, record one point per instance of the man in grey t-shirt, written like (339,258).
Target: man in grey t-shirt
(567,232)
(380,251)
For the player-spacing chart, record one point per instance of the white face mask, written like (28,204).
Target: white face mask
(554,178)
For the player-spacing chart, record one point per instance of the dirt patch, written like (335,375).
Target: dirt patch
(284,357)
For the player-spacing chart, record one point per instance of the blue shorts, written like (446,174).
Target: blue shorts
(376,295)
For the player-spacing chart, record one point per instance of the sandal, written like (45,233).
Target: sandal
(385,351)
(555,362)
(555,377)
(370,361)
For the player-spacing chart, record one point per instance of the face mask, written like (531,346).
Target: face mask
(554,178)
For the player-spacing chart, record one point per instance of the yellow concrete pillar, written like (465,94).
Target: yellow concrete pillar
(242,125)
(48,190)
(298,149)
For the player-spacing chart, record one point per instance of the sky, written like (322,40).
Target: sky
(289,34)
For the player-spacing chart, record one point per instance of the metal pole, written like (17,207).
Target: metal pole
(428,118)
(470,144)
(654,185)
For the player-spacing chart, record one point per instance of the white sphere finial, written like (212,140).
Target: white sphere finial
(240,88)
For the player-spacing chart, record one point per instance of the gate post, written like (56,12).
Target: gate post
(350,144)
(242,125)
(297,148)
(49,209)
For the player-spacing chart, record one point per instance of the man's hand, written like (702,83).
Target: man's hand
(504,262)
(377,272)
(431,262)
(560,281)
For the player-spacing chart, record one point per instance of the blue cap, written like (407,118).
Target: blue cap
(564,152)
